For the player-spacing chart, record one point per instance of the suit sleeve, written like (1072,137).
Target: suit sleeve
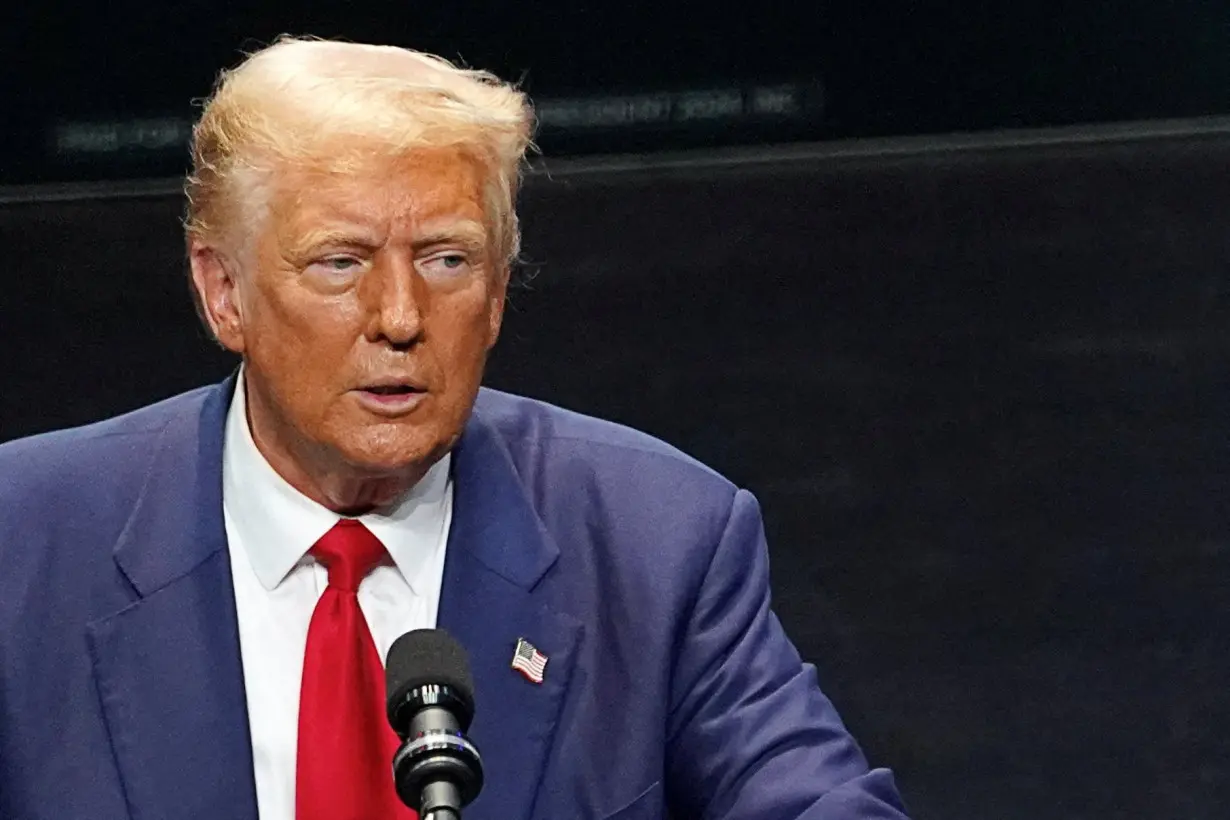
(751,736)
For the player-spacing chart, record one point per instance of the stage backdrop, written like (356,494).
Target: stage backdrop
(982,395)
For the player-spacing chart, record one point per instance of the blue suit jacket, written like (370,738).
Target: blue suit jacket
(639,572)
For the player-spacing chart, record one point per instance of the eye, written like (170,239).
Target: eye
(337,265)
(446,264)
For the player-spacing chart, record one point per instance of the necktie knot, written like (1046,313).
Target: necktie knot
(349,551)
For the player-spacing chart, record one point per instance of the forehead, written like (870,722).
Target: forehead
(381,192)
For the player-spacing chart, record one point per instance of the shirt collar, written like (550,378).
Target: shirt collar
(278,524)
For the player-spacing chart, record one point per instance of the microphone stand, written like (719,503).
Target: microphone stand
(441,801)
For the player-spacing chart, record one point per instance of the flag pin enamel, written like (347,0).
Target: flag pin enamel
(529,661)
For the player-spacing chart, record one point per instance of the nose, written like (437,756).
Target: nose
(395,300)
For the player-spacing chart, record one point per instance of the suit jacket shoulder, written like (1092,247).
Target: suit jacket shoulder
(565,457)
(631,514)
(65,499)
(75,463)
(528,424)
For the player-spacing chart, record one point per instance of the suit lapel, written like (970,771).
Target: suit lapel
(498,553)
(168,666)
(169,669)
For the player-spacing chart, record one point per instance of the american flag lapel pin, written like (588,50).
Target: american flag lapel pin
(529,661)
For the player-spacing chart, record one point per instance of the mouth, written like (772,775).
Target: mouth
(391,389)
(391,397)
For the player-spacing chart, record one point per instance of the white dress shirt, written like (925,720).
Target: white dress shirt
(270,527)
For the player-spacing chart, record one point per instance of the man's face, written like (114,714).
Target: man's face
(364,314)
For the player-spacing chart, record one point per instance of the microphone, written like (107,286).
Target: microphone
(437,770)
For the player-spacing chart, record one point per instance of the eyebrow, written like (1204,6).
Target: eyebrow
(467,231)
(347,236)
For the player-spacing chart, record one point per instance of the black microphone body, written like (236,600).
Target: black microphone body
(437,770)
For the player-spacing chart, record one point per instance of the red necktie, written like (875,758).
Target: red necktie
(344,769)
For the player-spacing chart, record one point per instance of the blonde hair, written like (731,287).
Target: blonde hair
(331,106)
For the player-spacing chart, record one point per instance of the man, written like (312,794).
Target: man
(196,597)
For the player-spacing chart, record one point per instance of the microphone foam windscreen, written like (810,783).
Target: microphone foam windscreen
(427,656)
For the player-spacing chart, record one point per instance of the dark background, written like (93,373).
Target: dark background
(885,67)
(978,382)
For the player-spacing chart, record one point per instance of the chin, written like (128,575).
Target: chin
(391,455)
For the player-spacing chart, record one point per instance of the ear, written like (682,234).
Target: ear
(217,288)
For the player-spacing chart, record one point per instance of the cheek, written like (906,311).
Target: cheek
(461,341)
(467,334)
(290,325)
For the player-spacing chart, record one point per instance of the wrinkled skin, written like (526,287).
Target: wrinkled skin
(384,278)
